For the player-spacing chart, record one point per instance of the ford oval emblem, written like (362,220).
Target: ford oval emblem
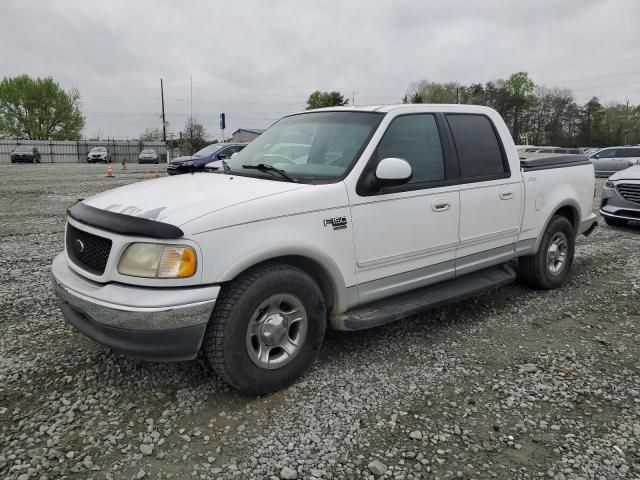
(78,246)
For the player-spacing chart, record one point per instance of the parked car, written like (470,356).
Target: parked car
(98,154)
(621,197)
(396,209)
(25,153)
(197,161)
(613,159)
(565,151)
(148,155)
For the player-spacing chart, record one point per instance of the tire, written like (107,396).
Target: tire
(233,350)
(548,269)
(615,222)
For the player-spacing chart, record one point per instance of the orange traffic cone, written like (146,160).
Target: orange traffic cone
(157,175)
(109,172)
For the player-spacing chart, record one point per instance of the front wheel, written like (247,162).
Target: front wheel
(549,268)
(266,328)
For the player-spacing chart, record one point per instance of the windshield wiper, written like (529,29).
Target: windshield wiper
(263,167)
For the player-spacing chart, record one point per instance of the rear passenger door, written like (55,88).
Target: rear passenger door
(490,194)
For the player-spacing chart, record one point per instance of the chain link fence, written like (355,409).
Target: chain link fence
(76,152)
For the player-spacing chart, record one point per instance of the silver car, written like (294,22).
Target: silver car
(613,159)
(621,197)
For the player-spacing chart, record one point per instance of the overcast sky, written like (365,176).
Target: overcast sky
(258,60)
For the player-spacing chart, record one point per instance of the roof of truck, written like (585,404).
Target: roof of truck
(407,106)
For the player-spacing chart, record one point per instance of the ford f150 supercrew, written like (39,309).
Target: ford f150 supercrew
(387,211)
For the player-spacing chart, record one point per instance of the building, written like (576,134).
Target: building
(246,134)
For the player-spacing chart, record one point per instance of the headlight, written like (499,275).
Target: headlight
(153,260)
(188,163)
(609,184)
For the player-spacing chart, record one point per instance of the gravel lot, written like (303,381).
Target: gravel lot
(512,384)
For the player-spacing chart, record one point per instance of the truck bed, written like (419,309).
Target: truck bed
(553,161)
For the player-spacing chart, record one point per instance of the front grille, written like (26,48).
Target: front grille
(630,192)
(88,251)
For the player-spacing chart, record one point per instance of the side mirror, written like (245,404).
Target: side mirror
(234,154)
(393,171)
(597,155)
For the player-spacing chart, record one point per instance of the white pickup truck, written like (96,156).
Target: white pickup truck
(341,217)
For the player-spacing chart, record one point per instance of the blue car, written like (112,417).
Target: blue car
(197,161)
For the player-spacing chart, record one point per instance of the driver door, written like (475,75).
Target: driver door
(406,236)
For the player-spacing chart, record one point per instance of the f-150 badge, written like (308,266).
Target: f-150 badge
(338,223)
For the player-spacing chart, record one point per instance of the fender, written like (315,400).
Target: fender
(567,203)
(345,297)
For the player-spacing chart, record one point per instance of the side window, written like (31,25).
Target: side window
(630,152)
(415,138)
(478,149)
(608,153)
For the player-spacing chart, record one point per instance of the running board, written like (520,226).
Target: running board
(405,304)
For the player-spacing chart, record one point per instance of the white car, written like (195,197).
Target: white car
(608,161)
(395,209)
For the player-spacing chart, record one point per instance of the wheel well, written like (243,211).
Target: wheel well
(313,269)
(570,214)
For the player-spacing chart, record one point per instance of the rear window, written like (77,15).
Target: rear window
(477,145)
(629,152)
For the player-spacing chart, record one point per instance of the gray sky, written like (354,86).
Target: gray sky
(258,60)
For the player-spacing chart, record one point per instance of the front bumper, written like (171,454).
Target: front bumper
(154,324)
(614,206)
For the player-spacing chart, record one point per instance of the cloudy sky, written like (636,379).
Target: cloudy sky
(258,60)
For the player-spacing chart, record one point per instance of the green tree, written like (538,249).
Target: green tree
(193,137)
(423,91)
(151,135)
(39,109)
(320,99)
(520,89)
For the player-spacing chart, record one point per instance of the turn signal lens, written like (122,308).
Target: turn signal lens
(153,260)
(177,262)
(609,184)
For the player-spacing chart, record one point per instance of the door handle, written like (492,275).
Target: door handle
(506,195)
(440,205)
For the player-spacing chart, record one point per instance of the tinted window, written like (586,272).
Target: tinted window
(573,151)
(545,150)
(415,138)
(560,150)
(477,145)
(630,152)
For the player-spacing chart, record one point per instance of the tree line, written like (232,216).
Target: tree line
(535,114)
(538,115)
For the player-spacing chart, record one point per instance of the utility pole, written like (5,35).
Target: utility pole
(191,116)
(164,122)
(457,94)
(353,99)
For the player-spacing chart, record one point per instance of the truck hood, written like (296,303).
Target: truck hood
(631,173)
(182,198)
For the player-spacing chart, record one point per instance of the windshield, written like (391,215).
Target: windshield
(24,149)
(208,150)
(310,146)
(148,151)
(99,149)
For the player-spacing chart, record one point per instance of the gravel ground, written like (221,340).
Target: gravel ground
(512,384)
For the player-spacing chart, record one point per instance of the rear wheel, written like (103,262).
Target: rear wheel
(615,222)
(549,268)
(266,328)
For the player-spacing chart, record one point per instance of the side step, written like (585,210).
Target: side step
(405,304)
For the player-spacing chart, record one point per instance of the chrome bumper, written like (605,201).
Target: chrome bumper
(158,324)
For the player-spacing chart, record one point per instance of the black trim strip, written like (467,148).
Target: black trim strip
(123,224)
(547,163)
